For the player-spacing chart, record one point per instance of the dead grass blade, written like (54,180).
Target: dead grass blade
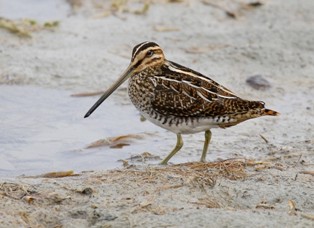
(229,13)
(308,216)
(115,142)
(165,28)
(263,137)
(253,4)
(208,202)
(233,9)
(60,174)
(264,205)
(87,94)
(310,172)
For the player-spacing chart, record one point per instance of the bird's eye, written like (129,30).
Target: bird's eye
(149,53)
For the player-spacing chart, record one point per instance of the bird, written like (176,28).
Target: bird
(179,99)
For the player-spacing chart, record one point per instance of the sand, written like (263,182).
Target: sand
(267,180)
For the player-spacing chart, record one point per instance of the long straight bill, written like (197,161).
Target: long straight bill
(122,79)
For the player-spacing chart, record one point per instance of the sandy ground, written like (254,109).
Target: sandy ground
(268,181)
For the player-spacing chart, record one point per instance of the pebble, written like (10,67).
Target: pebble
(258,82)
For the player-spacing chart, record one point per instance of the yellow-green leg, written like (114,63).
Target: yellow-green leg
(175,150)
(208,136)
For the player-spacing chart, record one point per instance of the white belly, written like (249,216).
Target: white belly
(184,127)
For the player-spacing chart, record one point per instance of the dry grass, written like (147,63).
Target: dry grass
(15,191)
(193,174)
(25,27)
(190,185)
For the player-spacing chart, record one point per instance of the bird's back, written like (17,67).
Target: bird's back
(177,97)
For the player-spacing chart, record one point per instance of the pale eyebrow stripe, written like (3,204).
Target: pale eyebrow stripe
(139,48)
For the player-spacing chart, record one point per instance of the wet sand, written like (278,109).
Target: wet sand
(267,180)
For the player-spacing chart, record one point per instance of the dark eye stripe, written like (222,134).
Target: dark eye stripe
(137,64)
(148,62)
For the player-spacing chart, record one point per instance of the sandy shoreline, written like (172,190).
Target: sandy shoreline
(234,193)
(268,180)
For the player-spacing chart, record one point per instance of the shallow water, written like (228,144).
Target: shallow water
(43,130)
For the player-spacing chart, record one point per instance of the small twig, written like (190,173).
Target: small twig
(308,216)
(266,141)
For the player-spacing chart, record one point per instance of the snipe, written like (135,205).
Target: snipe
(179,99)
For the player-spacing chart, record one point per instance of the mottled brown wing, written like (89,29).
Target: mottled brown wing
(180,91)
(169,101)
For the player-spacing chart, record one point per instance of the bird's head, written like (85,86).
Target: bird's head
(145,55)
